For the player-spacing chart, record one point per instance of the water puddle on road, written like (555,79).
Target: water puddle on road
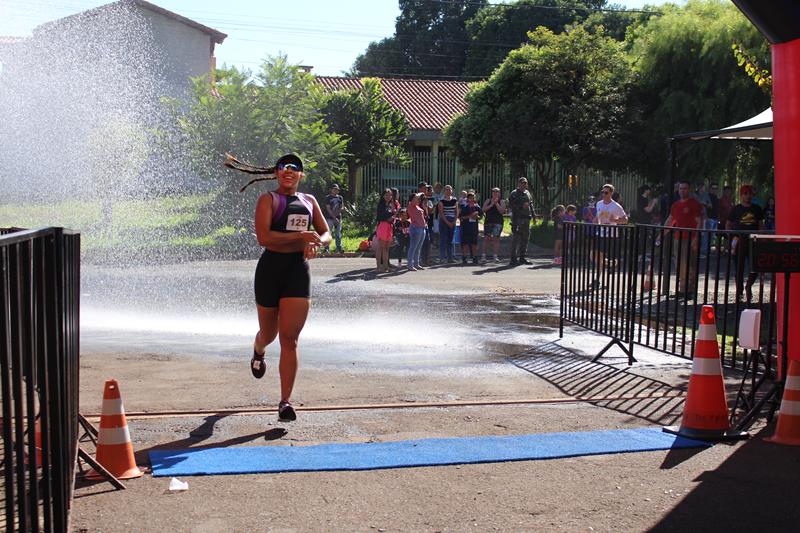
(208,312)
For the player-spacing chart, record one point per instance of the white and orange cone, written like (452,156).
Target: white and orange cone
(788,428)
(114,447)
(705,414)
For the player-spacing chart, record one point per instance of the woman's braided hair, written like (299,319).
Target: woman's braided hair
(232,162)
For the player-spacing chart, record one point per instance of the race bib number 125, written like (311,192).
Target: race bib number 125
(298,222)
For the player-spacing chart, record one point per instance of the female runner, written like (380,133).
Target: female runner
(283,222)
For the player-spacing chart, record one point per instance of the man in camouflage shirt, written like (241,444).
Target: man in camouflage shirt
(521,205)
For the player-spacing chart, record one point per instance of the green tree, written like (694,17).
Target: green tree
(561,97)
(687,80)
(257,118)
(373,130)
(430,40)
(497,29)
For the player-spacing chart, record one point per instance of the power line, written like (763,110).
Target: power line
(587,9)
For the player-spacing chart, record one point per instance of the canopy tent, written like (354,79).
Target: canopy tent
(757,128)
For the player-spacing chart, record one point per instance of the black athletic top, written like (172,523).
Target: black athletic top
(493,216)
(291,212)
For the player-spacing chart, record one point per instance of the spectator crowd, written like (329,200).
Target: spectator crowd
(430,225)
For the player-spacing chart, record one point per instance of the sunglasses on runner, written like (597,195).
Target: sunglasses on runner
(288,166)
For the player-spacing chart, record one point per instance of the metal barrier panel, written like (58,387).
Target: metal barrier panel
(645,285)
(39,311)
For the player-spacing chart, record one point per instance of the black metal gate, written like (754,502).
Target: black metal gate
(39,311)
(645,285)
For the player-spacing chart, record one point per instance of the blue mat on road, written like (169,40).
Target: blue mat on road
(411,453)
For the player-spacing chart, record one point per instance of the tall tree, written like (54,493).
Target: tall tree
(562,97)
(688,80)
(374,130)
(430,40)
(497,29)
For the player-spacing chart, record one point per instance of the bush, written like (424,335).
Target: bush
(359,217)
(543,234)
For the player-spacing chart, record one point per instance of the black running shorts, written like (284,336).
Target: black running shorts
(280,275)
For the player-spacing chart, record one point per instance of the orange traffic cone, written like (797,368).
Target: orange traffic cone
(788,429)
(705,414)
(114,448)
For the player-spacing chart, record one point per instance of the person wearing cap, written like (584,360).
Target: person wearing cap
(333,215)
(745,217)
(494,208)
(521,204)
(284,220)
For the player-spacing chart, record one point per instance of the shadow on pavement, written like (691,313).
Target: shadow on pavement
(196,436)
(676,456)
(202,433)
(576,375)
(499,268)
(753,490)
(354,275)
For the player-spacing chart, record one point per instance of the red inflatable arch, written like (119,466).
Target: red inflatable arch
(779,22)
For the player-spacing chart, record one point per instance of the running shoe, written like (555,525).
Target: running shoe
(286,411)
(257,365)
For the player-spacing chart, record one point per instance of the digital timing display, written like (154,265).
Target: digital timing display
(775,253)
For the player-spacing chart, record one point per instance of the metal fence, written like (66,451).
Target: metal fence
(39,299)
(564,187)
(646,285)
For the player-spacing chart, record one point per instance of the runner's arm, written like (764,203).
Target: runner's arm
(320,224)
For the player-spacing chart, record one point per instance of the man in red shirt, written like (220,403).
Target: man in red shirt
(686,213)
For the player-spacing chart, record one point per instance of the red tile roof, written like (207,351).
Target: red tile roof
(427,104)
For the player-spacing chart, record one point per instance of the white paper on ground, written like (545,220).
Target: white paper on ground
(176,484)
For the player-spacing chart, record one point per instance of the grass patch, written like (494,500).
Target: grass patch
(71,214)
(134,224)
(205,241)
(543,234)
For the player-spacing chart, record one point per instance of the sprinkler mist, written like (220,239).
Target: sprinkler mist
(85,133)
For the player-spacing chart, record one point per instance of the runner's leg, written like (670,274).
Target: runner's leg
(292,316)
(268,328)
